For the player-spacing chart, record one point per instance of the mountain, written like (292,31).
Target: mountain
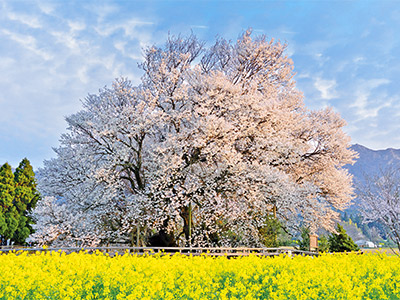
(370,163)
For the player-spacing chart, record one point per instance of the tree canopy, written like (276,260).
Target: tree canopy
(211,144)
(380,202)
(18,196)
(341,241)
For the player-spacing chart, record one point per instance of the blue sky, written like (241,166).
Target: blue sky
(53,53)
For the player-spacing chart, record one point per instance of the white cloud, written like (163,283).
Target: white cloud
(53,67)
(29,20)
(28,42)
(374,83)
(102,11)
(47,7)
(68,39)
(82,74)
(317,48)
(365,106)
(290,32)
(301,75)
(129,27)
(199,26)
(121,47)
(326,88)
(290,50)
(76,26)
(6,62)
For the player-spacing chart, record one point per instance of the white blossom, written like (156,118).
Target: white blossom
(218,136)
(380,201)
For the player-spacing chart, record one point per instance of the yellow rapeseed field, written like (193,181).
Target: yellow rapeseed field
(55,275)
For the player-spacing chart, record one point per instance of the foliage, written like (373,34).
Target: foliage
(340,241)
(270,231)
(210,143)
(87,276)
(25,199)
(285,238)
(374,231)
(8,219)
(380,202)
(304,241)
(323,244)
(18,196)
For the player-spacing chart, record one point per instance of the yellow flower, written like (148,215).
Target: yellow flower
(98,276)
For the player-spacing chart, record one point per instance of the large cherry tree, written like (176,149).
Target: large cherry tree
(209,146)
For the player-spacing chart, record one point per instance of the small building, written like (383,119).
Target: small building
(365,244)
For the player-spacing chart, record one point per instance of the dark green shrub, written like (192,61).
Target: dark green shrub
(341,242)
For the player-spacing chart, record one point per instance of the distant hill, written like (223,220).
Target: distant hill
(370,162)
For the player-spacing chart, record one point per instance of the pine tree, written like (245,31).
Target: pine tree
(341,242)
(12,221)
(25,199)
(304,242)
(8,222)
(323,244)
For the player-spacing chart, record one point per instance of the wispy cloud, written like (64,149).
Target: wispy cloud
(56,61)
(199,26)
(67,39)
(27,41)
(123,48)
(129,27)
(47,7)
(76,25)
(29,20)
(53,53)
(102,11)
(326,88)
(317,48)
(364,105)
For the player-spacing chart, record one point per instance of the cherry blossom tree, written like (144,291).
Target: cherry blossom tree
(98,167)
(210,145)
(380,201)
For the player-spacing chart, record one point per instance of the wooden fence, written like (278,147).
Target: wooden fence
(194,251)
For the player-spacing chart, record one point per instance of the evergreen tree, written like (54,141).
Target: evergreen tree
(12,221)
(25,199)
(304,242)
(323,244)
(8,220)
(341,242)
(23,230)
(18,196)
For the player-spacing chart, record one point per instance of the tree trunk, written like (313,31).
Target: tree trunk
(186,214)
